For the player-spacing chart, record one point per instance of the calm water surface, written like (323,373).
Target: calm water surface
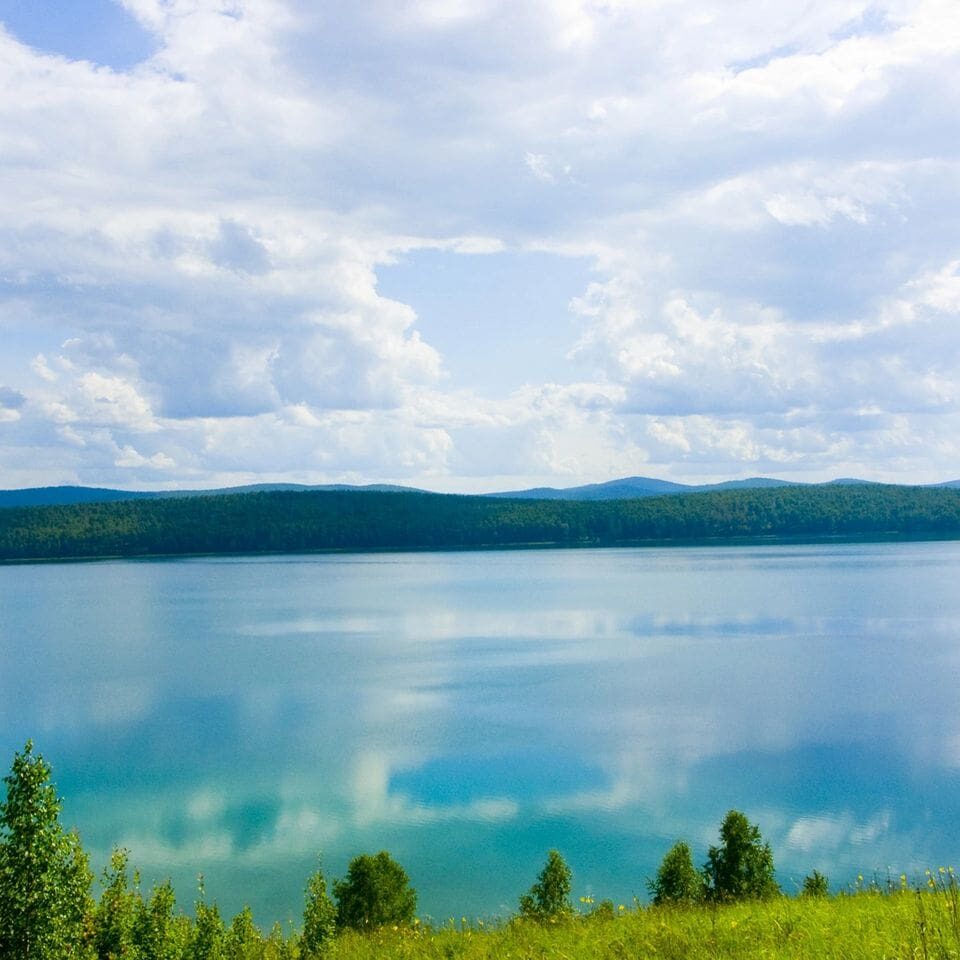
(469,711)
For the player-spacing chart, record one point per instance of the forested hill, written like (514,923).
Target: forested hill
(283,521)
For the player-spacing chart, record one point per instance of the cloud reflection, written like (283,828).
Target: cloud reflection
(484,707)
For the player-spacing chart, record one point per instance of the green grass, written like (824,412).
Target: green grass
(870,924)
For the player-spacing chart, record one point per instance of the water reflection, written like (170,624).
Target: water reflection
(235,717)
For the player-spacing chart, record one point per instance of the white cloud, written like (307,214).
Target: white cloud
(767,198)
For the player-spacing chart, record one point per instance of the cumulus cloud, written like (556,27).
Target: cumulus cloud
(189,249)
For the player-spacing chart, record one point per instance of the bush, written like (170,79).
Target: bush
(375,892)
(815,885)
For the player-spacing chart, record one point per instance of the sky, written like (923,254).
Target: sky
(476,245)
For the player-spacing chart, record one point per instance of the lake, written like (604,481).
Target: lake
(468,711)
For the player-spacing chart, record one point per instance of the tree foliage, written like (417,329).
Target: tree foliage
(375,892)
(741,867)
(115,918)
(319,919)
(209,941)
(159,933)
(284,521)
(815,885)
(44,873)
(549,897)
(677,880)
(244,939)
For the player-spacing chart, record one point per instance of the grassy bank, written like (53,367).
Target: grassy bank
(902,924)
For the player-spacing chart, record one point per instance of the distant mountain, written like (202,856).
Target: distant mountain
(630,487)
(53,496)
(611,490)
(60,496)
(626,488)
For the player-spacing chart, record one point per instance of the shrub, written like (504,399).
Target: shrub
(815,885)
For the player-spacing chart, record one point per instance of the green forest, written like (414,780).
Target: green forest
(295,521)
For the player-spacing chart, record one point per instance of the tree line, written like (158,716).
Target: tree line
(285,521)
(47,911)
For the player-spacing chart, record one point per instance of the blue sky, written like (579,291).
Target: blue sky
(475,244)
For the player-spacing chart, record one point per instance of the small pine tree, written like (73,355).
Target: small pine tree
(549,898)
(677,880)
(319,919)
(44,873)
(741,868)
(375,892)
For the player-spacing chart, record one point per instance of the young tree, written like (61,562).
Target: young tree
(277,946)
(549,897)
(677,880)
(376,891)
(209,940)
(158,933)
(815,885)
(319,919)
(741,868)
(44,873)
(116,914)
(244,940)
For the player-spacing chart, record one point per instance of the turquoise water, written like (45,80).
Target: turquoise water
(469,711)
